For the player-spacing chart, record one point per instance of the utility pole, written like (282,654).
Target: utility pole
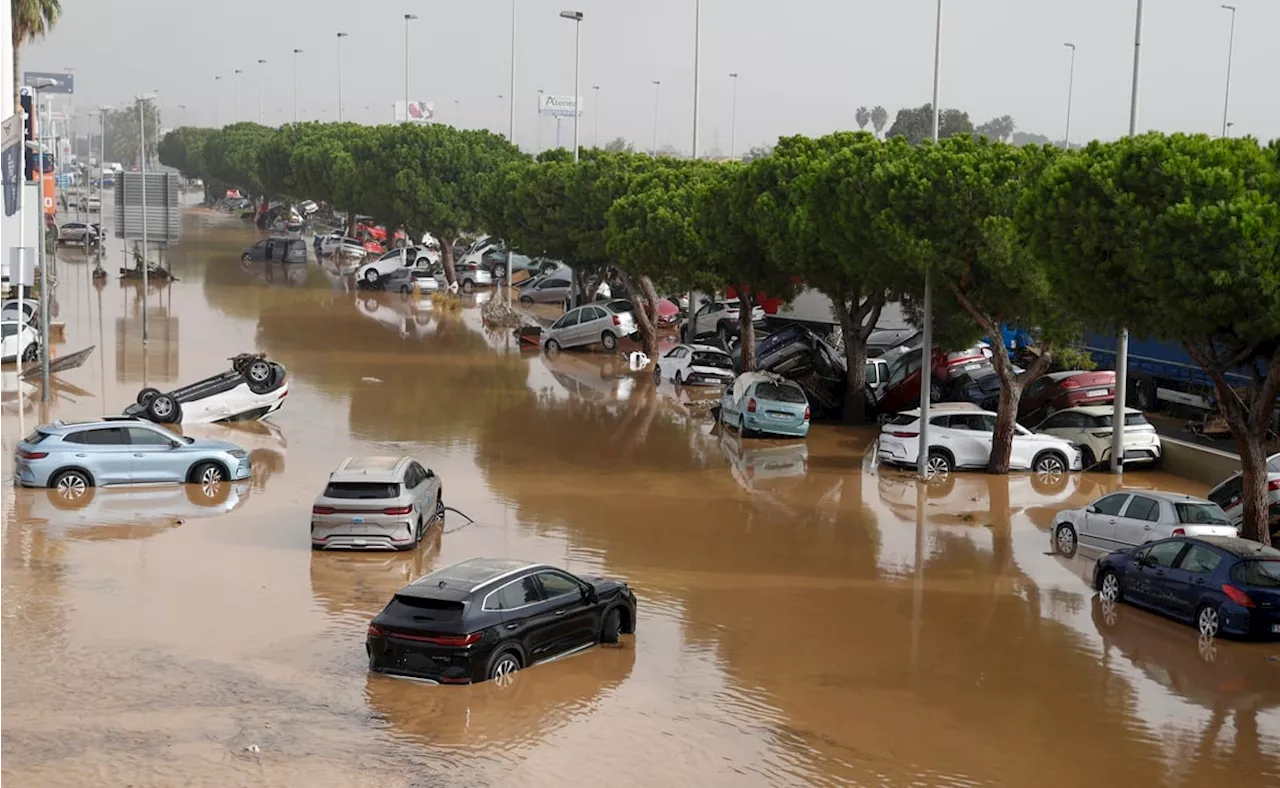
(296,52)
(926,379)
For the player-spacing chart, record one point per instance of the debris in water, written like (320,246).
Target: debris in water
(252,748)
(370,380)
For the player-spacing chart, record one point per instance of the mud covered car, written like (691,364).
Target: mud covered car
(798,354)
(253,388)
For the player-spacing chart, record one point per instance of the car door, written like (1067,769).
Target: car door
(668,363)
(527,617)
(153,457)
(1186,582)
(564,328)
(590,325)
(1023,448)
(1099,522)
(1067,424)
(1150,583)
(574,625)
(1137,522)
(971,438)
(105,452)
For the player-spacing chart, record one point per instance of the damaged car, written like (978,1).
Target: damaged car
(694,365)
(762,403)
(253,388)
(798,354)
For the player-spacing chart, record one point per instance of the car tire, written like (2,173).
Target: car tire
(526,300)
(468,285)
(935,391)
(657,374)
(938,463)
(439,512)
(1064,540)
(1050,462)
(71,484)
(246,258)
(1109,587)
(404,290)
(371,276)
(146,395)
(499,272)
(208,473)
(743,432)
(31,352)
(1144,395)
(722,331)
(611,632)
(679,380)
(501,667)
(1208,621)
(552,346)
(609,341)
(163,409)
(260,375)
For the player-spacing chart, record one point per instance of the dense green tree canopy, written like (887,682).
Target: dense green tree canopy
(916,124)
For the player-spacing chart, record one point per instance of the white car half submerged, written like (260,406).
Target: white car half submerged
(254,388)
(695,365)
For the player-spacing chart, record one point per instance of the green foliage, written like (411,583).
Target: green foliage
(619,145)
(863,116)
(183,149)
(879,117)
(232,156)
(999,129)
(124,135)
(916,124)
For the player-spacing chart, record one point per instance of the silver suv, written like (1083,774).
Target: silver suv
(376,503)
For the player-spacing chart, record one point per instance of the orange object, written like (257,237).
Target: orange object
(50,194)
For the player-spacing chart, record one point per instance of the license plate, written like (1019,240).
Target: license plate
(973,365)
(357,520)
(1097,392)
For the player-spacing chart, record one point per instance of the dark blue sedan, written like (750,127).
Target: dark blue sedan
(1221,584)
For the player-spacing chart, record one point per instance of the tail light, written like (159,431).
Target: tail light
(1179,532)
(397,510)
(617,321)
(751,405)
(905,434)
(1272,485)
(453,641)
(322,510)
(374,632)
(1236,595)
(806,412)
(32,455)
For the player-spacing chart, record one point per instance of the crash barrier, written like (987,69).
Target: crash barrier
(1202,464)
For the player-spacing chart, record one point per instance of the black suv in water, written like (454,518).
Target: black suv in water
(485,618)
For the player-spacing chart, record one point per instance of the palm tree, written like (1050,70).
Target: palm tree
(32,19)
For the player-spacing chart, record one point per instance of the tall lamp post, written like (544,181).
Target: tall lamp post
(142,155)
(1071,81)
(237,75)
(43,83)
(576,18)
(217,99)
(922,458)
(182,115)
(511,89)
(697,68)
(407,19)
(595,89)
(262,79)
(1231,42)
(340,37)
(296,52)
(733,118)
(540,93)
(657,87)
(102,171)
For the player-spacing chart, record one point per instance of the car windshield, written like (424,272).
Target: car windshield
(718,360)
(362,490)
(1264,573)
(987,383)
(620,305)
(1201,514)
(1130,420)
(1273,464)
(780,392)
(405,607)
(902,419)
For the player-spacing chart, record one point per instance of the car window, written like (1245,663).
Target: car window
(412,477)
(1201,514)
(937,421)
(872,372)
(903,419)
(1036,387)
(515,594)
(110,436)
(1263,573)
(780,392)
(1064,420)
(362,490)
(8,329)
(550,283)
(569,319)
(904,367)
(674,352)
(718,360)
(591,313)
(1165,553)
(1273,464)
(1111,504)
(555,585)
(975,422)
(1143,508)
(141,436)
(1200,560)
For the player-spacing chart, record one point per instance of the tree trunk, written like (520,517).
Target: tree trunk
(856,330)
(645,314)
(351,223)
(446,258)
(746,329)
(1253,461)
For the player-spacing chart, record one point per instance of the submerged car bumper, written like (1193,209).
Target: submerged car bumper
(1250,622)
(348,532)
(790,426)
(406,657)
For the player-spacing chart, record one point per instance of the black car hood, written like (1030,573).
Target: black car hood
(604,585)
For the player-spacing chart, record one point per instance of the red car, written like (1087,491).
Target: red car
(901,389)
(1051,393)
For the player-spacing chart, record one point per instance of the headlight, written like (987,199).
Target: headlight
(239,454)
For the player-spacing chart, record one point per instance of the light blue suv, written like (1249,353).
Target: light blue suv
(73,456)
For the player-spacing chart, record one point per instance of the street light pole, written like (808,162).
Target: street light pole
(340,37)
(102,171)
(262,78)
(540,92)
(657,87)
(576,18)
(296,52)
(1071,81)
(511,90)
(407,18)
(182,115)
(596,103)
(37,86)
(697,66)
(238,72)
(733,121)
(142,154)
(1231,42)
(926,378)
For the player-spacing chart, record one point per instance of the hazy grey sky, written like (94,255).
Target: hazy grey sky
(805,65)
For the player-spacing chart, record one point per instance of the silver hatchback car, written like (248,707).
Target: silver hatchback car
(604,322)
(376,503)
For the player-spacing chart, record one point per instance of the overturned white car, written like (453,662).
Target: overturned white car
(254,388)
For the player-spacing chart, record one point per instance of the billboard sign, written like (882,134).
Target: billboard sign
(558,105)
(418,112)
(66,82)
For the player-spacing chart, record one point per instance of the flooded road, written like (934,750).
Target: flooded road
(804,618)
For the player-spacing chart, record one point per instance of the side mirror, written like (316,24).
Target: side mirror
(174,444)
(1091,509)
(589,595)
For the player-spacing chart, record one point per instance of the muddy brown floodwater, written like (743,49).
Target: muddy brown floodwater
(804,620)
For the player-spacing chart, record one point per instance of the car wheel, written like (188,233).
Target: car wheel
(208,473)
(163,409)
(499,272)
(246,258)
(552,346)
(404,290)
(1064,540)
(71,485)
(612,626)
(468,285)
(503,667)
(937,464)
(1207,621)
(679,379)
(260,376)
(1109,589)
(609,341)
(743,432)
(146,395)
(371,276)
(657,374)
(526,300)
(31,352)
(439,513)
(935,391)
(1050,465)
(421,532)
(1144,394)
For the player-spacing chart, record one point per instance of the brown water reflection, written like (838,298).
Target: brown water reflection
(806,619)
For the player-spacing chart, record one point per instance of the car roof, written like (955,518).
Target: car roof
(949,407)
(61,426)
(470,575)
(374,468)
(706,349)
(1096,410)
(1171,497)
(1242,548)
